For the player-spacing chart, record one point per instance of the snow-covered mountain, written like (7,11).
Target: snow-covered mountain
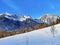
(37,37)
(17,22)
(40,21)
(48,17)
(15,16)
(22,21)
(10,22)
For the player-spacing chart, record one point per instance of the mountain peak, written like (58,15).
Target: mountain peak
(49,17)
(24,17)
(7,13)
(15,16)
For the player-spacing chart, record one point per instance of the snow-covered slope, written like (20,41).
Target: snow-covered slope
(37,37)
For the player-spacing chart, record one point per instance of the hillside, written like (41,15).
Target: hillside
(12,24)
(37,37)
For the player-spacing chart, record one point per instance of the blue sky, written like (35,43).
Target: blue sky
(34,8)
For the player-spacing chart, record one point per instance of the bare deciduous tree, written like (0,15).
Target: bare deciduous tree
(52,23)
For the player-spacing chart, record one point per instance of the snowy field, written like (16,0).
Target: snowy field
(37,37)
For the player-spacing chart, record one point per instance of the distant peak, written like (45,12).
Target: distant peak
(7,13)
(24,17)
(15,16)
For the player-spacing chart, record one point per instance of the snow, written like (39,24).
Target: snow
(27,16)
(23,18)
(18,17)
(7,13)
(6,16)
(48,17)
(36,37)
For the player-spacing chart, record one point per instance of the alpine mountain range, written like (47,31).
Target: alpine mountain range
(9,22)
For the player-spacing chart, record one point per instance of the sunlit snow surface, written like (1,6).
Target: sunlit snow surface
(37,37)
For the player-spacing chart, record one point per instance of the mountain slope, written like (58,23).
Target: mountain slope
(11,22)
(49,17)
(15,16)
(37,37)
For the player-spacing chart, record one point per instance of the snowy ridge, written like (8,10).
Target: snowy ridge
(22,18)
(37,37)
(7,13)
(15,16)
(48,16)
